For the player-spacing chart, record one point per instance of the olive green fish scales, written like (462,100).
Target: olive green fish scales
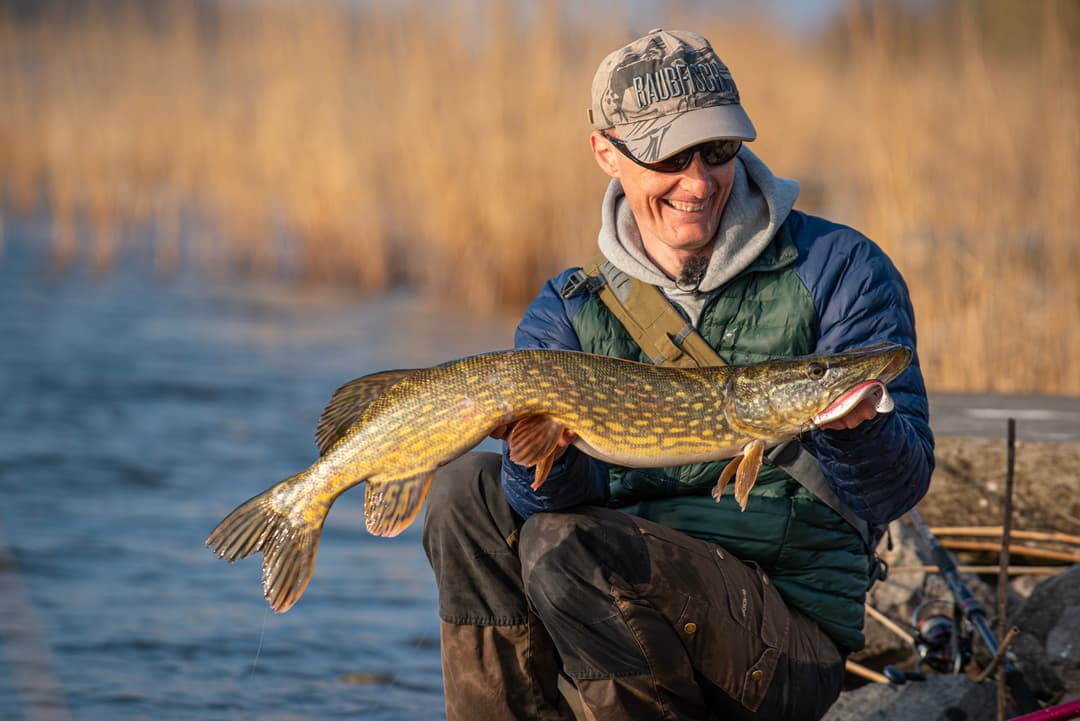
(393,430)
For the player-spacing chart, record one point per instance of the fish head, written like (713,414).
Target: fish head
(789,396)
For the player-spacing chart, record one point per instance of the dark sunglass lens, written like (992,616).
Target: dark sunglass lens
(720,151)
(674,163)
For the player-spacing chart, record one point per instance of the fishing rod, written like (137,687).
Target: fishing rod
(968,608)
(1061,712)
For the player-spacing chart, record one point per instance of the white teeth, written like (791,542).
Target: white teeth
(686,207)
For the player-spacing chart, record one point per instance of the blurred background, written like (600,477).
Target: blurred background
(442,146)
(214,212)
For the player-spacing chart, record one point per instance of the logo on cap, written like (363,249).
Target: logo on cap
(643,88)
(690,79)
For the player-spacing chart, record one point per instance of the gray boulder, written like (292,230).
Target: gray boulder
(1048,648)
(950,697)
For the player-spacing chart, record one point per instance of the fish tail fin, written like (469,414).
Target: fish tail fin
(288,541)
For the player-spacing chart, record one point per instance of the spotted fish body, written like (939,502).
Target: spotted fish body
(394,429)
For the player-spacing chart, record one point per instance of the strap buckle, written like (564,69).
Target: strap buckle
(580,281)
(879,571)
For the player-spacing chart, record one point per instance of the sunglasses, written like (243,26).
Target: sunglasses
(714,152)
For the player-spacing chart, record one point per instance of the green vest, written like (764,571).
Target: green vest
(812,555)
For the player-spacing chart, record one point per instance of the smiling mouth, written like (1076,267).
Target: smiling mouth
(685,207)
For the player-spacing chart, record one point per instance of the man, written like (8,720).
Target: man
(655,600)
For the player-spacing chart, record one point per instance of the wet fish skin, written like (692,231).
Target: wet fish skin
(394,429)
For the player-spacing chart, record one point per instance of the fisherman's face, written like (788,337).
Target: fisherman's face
(677,213)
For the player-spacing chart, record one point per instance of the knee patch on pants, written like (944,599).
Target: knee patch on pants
(576,567)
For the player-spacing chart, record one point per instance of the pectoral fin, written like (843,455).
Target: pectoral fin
(391,506)
(534,441)
(349,403)
(725,477)
(747,474)
(543,468)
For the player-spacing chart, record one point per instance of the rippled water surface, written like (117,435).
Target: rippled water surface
(134,414)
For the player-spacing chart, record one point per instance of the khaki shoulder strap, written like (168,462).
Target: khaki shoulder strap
(661,331)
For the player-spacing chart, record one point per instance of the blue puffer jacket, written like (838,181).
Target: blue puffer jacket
(880,469)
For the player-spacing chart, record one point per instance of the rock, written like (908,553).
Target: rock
(950,697)
(1048,648)
(1063,649)
(1023,585)
(896,596)
(863,702)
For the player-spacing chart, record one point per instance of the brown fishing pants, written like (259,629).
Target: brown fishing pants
(648,623)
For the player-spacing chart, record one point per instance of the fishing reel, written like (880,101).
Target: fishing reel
(942,642)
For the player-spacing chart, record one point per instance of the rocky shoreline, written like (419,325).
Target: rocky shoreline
(1043,598)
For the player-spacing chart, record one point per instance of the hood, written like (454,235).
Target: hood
(757,207)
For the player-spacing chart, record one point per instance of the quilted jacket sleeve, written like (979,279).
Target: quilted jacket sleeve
(575,478)
(881,468)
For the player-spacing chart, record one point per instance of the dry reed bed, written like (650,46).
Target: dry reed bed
(449,151)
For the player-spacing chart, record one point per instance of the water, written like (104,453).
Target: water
(134,414)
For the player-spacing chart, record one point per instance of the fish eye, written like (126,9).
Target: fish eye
(815,371)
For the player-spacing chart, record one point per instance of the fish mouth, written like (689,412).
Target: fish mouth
(875,388)
(853,397)
(897,363)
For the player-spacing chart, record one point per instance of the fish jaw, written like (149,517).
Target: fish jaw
(883,402)
(789,396)
(899,360)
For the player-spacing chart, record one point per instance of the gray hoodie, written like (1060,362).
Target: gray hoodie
(758,205)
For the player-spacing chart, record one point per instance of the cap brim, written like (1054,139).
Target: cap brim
(657,138)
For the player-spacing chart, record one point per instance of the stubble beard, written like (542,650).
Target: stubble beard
(693,272)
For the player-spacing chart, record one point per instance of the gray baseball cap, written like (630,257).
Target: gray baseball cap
(665,92)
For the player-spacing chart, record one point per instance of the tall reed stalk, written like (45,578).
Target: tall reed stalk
(381,144)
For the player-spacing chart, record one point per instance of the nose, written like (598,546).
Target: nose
(696,178)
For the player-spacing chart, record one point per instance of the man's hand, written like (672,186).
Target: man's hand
(501,432)
(864,411)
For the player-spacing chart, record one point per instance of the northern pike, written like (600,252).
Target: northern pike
(393,430)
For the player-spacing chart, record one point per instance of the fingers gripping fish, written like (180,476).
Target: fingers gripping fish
(393,430)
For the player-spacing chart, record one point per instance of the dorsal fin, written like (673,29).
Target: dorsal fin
(348,404)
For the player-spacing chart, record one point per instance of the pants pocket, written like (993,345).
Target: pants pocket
(730,620)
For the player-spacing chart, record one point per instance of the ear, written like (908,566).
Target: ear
(604,153)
